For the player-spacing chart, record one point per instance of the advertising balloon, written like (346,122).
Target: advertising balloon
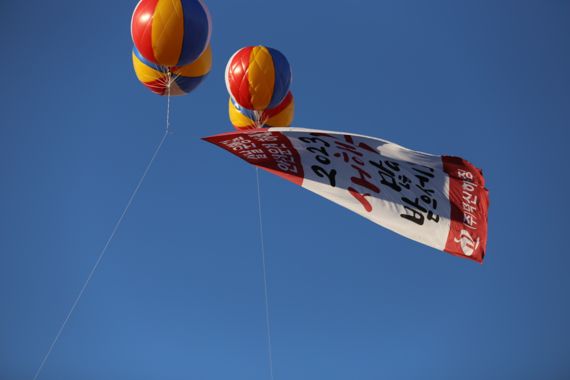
(171,32)
(258,77)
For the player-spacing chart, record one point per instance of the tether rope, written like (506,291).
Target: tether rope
(263,262)
(109,239)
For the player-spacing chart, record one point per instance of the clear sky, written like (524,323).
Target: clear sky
(180,293)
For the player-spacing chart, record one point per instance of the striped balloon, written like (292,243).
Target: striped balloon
(171,32)
(258,77)
(182,79)
(280,116)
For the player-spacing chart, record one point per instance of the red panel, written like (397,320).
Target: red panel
(141,28)
(280,107)
(238,78)
(469,206)
(156,86)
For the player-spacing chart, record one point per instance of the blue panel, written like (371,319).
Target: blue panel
(187,84)
(282,77)
(196,31)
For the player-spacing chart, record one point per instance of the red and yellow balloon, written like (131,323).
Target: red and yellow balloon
(172,53)
(171,33)
(258,77)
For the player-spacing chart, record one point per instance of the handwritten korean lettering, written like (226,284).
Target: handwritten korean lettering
(372,174)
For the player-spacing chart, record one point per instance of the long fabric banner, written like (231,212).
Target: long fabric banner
(439,201)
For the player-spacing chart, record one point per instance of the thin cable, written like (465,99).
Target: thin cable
(267,323)
(168,104)
(109,240)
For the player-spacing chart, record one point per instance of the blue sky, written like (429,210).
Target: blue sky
(180,293)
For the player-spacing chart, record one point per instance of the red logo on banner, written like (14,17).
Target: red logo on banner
(469,203)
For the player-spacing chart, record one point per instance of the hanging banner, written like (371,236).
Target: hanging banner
(439,201)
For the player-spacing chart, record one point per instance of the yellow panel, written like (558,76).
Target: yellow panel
(261,76)
(145,73)
(167,32)
(238,120)
(198,68)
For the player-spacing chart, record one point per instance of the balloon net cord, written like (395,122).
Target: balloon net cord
(263,262)
(259,119)
(107,244)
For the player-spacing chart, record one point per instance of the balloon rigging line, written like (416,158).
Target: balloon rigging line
(263,261)
(109,240)
(168,109)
